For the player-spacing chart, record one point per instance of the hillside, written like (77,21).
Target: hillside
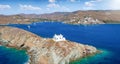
(77,17)
(105,16)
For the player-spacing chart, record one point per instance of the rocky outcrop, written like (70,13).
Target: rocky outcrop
(44,50)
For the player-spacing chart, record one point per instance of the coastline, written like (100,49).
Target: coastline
(99,52)
(64,22)
(94,57)
(30,57)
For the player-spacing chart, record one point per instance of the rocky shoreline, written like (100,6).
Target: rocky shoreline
(44,50)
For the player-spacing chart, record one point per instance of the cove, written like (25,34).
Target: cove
(12,56)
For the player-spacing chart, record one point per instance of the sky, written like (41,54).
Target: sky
(10,7)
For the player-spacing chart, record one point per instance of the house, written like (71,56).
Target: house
(58,38)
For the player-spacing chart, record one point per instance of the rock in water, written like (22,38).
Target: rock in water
(44,50)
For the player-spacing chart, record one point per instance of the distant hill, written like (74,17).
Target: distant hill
(106,16)
(76,17)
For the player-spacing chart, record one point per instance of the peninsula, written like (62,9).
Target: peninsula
(44,50)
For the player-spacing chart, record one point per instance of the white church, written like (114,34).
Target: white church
(58,38)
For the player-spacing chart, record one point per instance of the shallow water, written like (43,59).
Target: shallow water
(12,56)
(100,58)
(106,36)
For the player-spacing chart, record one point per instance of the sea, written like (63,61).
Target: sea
(12,56)
(105,37)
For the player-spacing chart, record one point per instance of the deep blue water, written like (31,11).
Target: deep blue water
(105,37)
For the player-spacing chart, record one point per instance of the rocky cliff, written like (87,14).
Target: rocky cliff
(44,50)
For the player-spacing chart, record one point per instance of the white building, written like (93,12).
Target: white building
(58,38)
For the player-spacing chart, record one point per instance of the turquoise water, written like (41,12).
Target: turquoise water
(12,56)
(100,58)
(102,36)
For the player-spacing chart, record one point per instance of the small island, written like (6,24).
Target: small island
(56,50)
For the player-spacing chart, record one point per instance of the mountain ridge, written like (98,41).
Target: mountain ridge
(104,16)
